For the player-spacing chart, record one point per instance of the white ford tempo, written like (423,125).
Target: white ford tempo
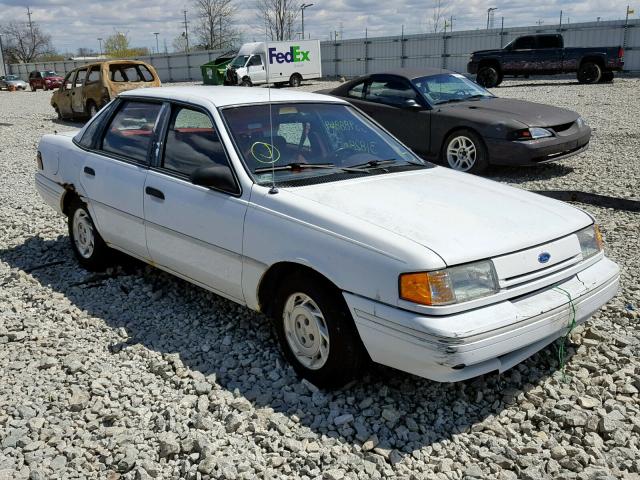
(299,206)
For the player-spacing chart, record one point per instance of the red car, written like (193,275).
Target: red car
(47,80)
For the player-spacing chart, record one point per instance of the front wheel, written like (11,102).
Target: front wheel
(91,109)
(589,72)
(246,83)
(464,151)
(488,77)
(87,244)
(316,331)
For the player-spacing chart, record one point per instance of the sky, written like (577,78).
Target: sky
(75,24)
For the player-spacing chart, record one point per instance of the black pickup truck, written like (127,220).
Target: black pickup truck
(545,55)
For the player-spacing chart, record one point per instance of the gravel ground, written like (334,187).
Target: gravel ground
(134,374)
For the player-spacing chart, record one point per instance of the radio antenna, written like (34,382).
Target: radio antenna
(273,190)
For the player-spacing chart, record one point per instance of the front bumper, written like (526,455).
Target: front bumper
(534,152)
(472,68)
(494,338)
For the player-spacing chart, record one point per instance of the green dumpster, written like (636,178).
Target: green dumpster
(213,72)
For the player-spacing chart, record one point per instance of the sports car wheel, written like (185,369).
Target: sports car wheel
(87,244)
(464,151)
(316,331)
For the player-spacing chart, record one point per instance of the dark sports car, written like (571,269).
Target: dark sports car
(445,117)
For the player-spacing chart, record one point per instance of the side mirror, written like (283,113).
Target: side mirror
(219,177)
(411,103)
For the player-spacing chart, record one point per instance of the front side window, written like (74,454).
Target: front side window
(130,132)
(308,142)
(549,41)
(392,91)
(192,142)
(94,75)
(524,43)
(447,88)
(80,77)
(68,81)
(255,61)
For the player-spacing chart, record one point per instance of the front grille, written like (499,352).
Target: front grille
(563,127)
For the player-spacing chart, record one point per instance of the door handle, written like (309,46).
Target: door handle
(90,171)
(154,192)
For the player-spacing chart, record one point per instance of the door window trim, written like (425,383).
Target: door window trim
(114,111)
(157,158)
(385,77)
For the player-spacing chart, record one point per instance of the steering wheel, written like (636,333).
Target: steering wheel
(461,92)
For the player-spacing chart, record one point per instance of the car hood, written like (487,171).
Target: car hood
(57,79)
(459,216)
(15,81)
(528,113)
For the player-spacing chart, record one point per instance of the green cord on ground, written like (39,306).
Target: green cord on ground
(571,326)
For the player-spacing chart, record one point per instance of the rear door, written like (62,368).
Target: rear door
(113,175)
(77,93)
(192,230)
(548,54)
(397,106)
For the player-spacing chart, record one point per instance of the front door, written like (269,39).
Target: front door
(77,99)
(398,107)
(519,58)
(63,101)
(113,175)
(192,230)
(255,69)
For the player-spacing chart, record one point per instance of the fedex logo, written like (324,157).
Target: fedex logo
(293,55)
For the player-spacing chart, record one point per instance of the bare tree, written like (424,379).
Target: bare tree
(278,17)
(439,12)
(215,23)
(25,42)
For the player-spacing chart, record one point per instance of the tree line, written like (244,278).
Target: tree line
(214,26)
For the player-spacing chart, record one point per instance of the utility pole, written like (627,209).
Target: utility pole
(100,40)
(157,46)
(220,42)
(30,22)
(302,8)
(560,19)
(4,71)
(186,30)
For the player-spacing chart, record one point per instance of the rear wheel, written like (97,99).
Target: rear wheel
(58,113)
(589,72)
(33,87)
(87,244)
(91,109)
(295,80)
(488,77)
(316,331)
(464,151)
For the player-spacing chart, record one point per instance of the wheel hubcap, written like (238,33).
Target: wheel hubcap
(83,235)
(461,153)
(306,331)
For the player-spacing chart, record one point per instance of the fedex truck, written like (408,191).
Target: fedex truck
(275,62)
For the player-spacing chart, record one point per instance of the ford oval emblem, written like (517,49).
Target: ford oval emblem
(544,257)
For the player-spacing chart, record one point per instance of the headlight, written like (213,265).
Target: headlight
(531,133)
(581,122)
(451,285)
(590,240)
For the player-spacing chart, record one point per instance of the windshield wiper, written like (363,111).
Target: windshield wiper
(294,166)
(372,164)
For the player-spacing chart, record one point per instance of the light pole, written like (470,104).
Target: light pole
(489,10)
(100,40)
(4,71)
(302,7)
(157,47)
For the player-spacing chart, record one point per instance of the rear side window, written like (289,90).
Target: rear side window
(525,43)
(130,73)
(357,91)
(130,132)
(192,142)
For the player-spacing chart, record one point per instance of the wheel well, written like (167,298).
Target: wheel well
(69,196)
(246,77)
(273,277)
(597,60)
(490,63)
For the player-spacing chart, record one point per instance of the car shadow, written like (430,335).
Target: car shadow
(528,83)
(604,201)
(69,123)
(520,174)
(422,412)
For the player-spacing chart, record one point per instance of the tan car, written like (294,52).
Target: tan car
(87,89)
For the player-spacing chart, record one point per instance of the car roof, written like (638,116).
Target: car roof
(224,96)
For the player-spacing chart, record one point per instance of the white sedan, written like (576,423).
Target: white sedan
(299,206)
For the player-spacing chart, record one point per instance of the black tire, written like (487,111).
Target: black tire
(295,80)
(488,77)
(500,79)
(589,72)
(246,83)
(480,161)
(92,259)
(58,113)
(33,88)
(607,77)
(346,357)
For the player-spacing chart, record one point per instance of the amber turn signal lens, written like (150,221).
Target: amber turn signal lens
(427,288)
(39,161)
(598,237)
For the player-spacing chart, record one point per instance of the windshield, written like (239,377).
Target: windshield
(447,87)
(312,140)
(49,74)
(240,61)
(12,77)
